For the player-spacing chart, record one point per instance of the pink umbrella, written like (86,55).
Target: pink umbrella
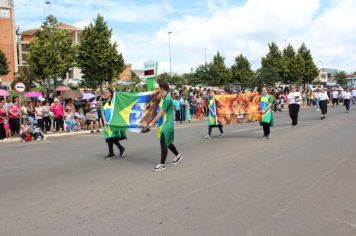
(62,88)
(4,93)
(33,94)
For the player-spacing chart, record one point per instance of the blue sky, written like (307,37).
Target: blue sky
(230,26)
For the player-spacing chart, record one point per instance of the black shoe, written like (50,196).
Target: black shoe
(110,156)
(122,152)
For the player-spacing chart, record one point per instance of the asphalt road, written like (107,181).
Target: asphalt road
(301,182)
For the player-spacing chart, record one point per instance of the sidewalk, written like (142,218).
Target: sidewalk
(82,132)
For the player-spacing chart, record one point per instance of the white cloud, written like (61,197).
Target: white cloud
(247,29)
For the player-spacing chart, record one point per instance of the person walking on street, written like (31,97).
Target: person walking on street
(212,119)
(111,136)
(266,102)
(347,98)
(353,93)
(323,103)
(335,97)
(294,105)
(165,129)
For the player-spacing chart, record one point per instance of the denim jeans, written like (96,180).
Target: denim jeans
(71,124)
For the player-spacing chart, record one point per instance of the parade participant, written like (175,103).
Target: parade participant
(212,122)
(323,103)
(294,105)
(335,96)
(266,102)
(346,96)
(353,96)
(111,136)
(165,129)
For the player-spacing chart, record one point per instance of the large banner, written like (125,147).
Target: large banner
(238,108)
(134,111)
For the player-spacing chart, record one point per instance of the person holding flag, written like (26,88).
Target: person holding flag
(266,102)
(165,126)
(212,119)
(112,136)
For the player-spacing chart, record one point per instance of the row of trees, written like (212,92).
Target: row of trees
(287,66)
(52,53)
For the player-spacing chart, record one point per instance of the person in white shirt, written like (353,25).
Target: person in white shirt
(316,94)
(294,99)
(347,97)
(323,102)
(353,93)
(335,96)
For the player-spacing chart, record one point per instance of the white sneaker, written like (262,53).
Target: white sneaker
(221,135)
(177,159)
(159,167)
(269,136)
(207,136)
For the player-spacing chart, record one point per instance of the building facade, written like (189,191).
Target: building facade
(8,38)
(26,36)
(326,76)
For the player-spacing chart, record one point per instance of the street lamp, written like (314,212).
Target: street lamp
(170,56)
(49,6)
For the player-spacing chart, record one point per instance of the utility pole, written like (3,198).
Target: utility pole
(170,56)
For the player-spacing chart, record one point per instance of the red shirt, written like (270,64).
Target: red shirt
(57,110)
(14,109)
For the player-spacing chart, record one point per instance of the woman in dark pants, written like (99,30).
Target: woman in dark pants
(165,129)
(266,102)
(323,103)
(111,136)
(212,119)
(14,117)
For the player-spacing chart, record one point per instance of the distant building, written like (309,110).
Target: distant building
(351,80)
(140,73)
(327,76)
(125,74)
(27,35)
(8,38)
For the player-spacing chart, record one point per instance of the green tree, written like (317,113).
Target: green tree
(135,78)
(219,74)
(289,73)
(52,52)
(266,76)
(4,66)
(26,76)
(175,80)
(273,59)
(241,72)
(306,68)
(202,76)
(340,78)
(98,58)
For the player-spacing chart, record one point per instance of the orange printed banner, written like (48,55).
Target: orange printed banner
(238,108)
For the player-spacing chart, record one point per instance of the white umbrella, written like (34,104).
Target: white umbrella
(88,96)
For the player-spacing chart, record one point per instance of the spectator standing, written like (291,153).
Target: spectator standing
(58,114)
(3,117)
(39,115)
(14,117)
(176,105)
(46,116)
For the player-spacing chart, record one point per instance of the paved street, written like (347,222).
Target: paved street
(301,182)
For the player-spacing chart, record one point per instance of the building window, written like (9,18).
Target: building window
(70,74)
(24,47)
(24,57)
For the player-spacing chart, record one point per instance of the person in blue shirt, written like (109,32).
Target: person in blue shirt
(176,104)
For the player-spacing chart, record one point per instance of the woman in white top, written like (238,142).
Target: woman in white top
(294,99)
(323,102)
(347,98)
(46,116)
(38,115)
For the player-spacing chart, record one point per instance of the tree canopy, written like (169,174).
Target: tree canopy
(98,58)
